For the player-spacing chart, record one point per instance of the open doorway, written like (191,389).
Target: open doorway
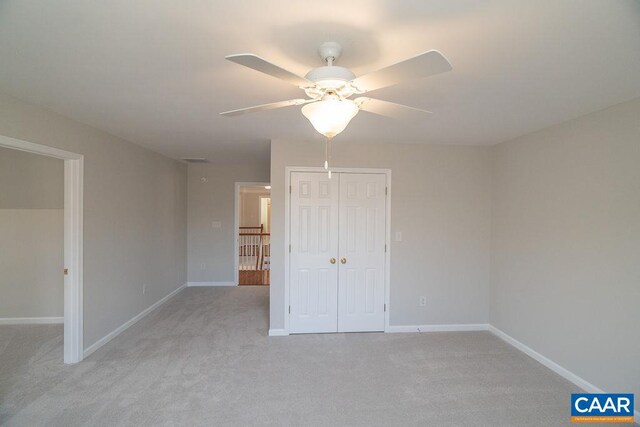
(64,271)
(253,234)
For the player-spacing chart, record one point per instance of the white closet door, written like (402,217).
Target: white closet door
(314,242)
(362,253)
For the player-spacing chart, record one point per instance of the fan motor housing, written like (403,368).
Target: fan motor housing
(330,78)
(330,73)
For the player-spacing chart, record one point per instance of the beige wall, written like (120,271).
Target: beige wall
(566,245)
(31,235)
(134,215)
(250,205)
(440,202)
(213,200)
(30,181)
(31,262)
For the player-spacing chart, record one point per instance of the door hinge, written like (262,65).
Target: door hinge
(289,247)
(65,271)
(289,309)
(385,247)
(385,307)
(386,190)
(289,189)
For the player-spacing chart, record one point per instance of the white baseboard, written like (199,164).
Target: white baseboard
(111,335)
(563,372)
(205,284)
(463,327)
(30,320)
(413,328)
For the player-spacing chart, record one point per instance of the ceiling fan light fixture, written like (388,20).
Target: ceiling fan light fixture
(329,87)
(331,115)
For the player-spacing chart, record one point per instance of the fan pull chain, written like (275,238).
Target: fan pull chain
(327,156)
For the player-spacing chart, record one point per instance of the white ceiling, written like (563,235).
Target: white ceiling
(153,72)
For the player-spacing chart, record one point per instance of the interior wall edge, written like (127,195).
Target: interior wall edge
(436,219)
(120,329)
(564,239)
(134,195)
(558,369)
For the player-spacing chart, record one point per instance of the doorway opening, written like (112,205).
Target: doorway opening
(253,234)
(71,273)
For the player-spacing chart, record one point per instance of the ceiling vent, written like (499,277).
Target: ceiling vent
(195,159)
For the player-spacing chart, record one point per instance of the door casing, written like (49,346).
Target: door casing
(236,224)
(73,346)
(287,231)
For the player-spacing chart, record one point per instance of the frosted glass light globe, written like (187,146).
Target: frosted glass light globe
(331,115)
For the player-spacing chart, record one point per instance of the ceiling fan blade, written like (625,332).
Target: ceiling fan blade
(259,64)
(426,64)
(390,109)
(265,107)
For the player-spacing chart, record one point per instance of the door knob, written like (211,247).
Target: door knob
(343,260)
(332,260)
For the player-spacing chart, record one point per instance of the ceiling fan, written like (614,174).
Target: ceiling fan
(329,88)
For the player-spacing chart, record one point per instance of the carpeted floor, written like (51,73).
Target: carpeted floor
(204,358)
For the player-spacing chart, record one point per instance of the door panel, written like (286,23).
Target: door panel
(362,213)
(314,241)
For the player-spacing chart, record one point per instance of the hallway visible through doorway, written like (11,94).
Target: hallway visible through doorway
(253,235)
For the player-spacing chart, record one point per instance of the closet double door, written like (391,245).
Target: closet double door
(337,253)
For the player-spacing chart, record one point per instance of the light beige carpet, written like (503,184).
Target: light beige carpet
(204,358)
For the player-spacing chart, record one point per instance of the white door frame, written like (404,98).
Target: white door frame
(261,198)
(73,216)
(236,224)
(287,207)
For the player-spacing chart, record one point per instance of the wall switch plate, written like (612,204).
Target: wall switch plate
(203,266)
(423,301)
(216,224)
(398,236)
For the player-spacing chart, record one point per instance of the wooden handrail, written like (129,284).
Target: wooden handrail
(254,234)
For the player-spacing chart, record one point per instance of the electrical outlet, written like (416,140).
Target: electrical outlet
(144,289)
(203,266)
(423,301)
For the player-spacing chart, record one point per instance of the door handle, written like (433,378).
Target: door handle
(343,260)
(332,260)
